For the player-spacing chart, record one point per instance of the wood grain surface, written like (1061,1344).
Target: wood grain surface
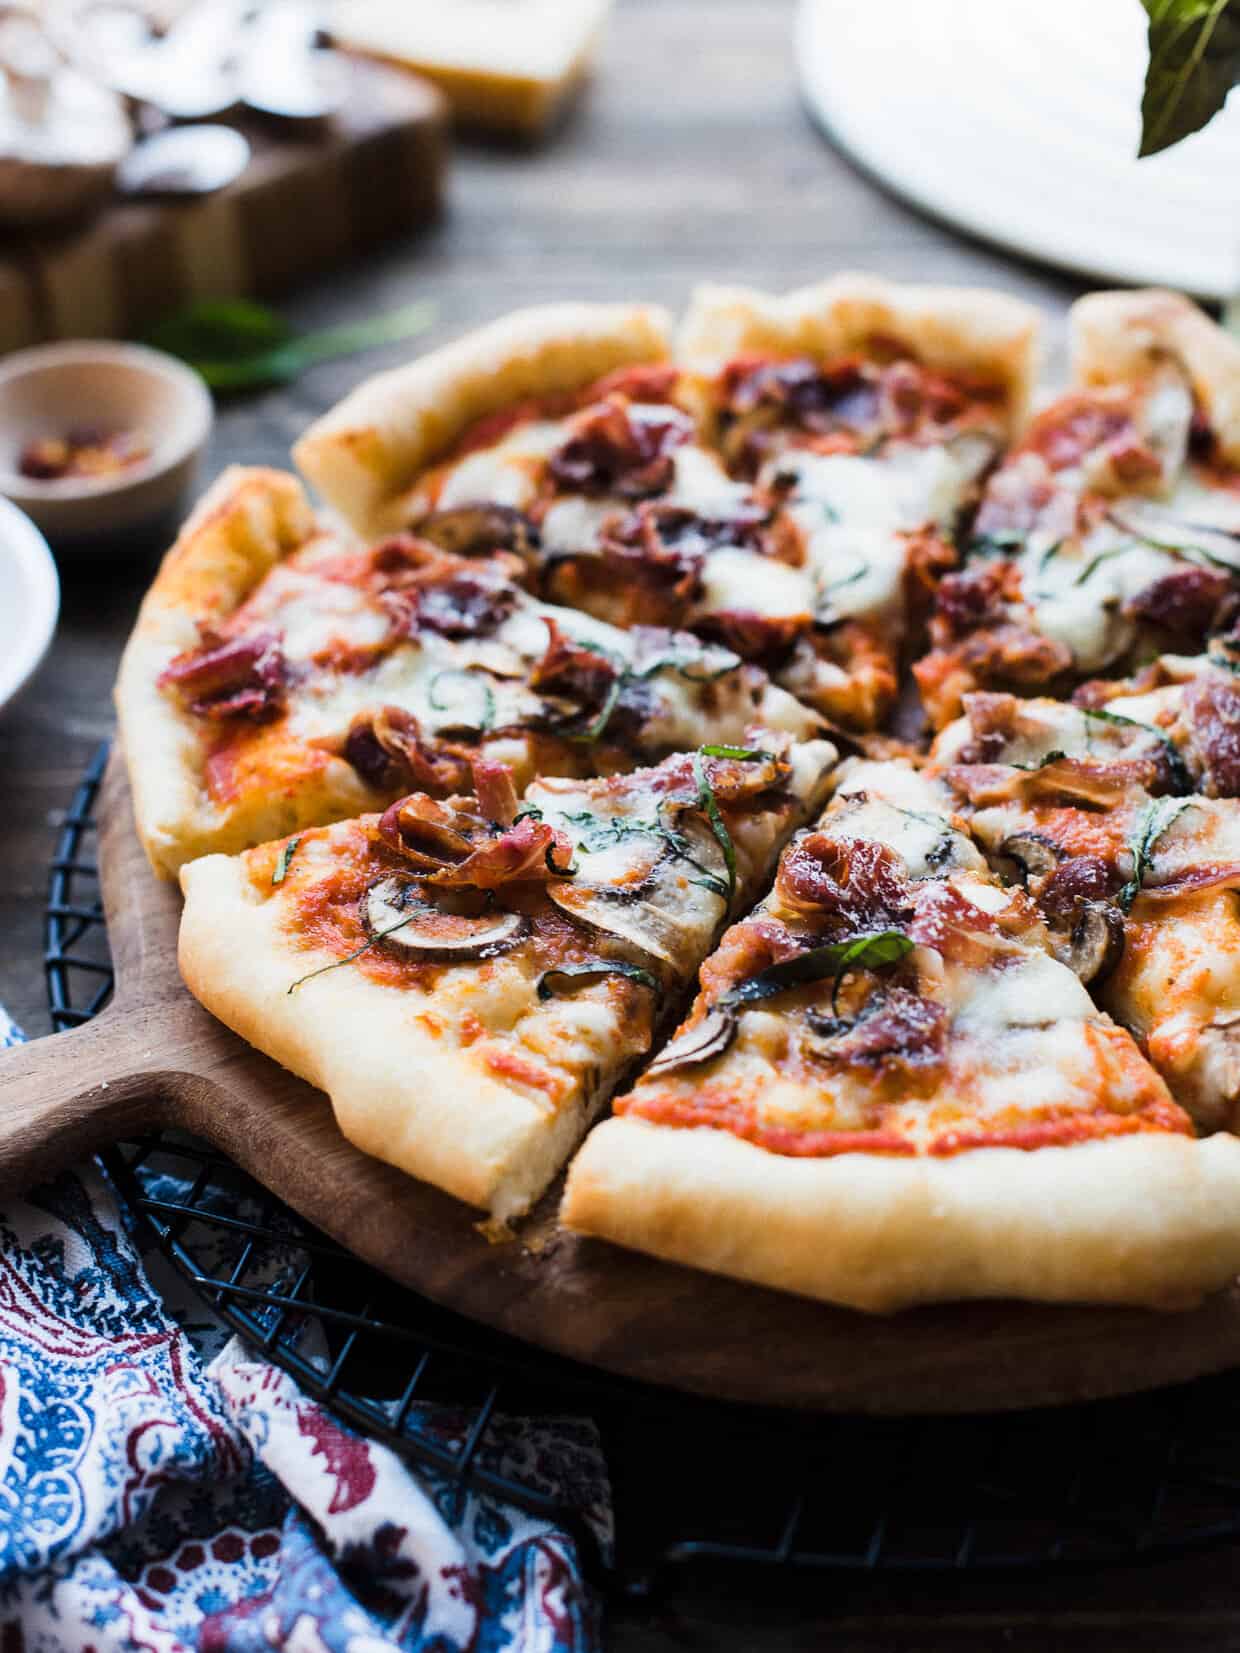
(690,158)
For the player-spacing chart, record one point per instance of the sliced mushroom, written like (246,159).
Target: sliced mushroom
(1095,943)
(701,1043)
(61,135)
(396,913)
(1036,855)
(663,914)
(477,530)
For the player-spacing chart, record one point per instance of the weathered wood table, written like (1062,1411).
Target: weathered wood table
(691,159)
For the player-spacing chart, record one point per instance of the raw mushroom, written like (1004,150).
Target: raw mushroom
(61,135)
(476,530)
(1035,855)
(396,914)
(707,1039)
(1095,943)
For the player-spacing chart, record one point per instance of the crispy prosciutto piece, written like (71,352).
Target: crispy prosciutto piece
(614,451)
(450,844)
(1211,710)
(230,676)
(387,749)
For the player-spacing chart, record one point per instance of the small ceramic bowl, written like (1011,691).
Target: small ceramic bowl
(31,599)
(56,389)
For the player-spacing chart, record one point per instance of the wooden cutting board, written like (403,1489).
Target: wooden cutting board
(311,198)
(155,1057)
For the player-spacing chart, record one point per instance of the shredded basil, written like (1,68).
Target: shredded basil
(1094,563)
(356,954)
(708,802)
(286,855)
(1180,777)
(1000,544)
(487,721)
(1156,818)
(742,754)
(587,737)
(1032,768)
(611,967)
(868,952)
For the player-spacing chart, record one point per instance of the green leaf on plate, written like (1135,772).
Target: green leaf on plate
(1194,63)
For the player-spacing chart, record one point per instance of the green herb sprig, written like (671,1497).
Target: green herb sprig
(238,345)
(1194,63)
(282,865)
(1155,819)
(867,952)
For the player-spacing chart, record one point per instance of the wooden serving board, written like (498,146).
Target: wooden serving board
(310,198)
(155,1057)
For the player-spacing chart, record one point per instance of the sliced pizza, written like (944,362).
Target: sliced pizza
(889,1091)
(1112,530)
(282,675)
(1136,881)
(871,411)
(469,978)
(786,489)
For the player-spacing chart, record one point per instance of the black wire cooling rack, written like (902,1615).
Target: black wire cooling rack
(694,1482)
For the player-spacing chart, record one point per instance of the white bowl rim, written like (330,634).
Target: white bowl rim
(188,385)
(42,583)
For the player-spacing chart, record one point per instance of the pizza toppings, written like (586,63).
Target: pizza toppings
(480,530)
(449,844)
(230,677)
(397,914)
(846,406)
(387,748)
(620,449)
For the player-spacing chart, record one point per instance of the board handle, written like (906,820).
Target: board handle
(61,1099)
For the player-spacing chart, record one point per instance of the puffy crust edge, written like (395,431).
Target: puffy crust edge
(397,1092)
(952,329)
(366,454)
(246,522)
(1124,337)
(1152,1219)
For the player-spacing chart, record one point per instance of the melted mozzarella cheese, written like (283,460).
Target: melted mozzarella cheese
(503,474)
(854,512)
(311,614)
(743,582)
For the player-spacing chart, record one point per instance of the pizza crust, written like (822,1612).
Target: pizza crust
(950,329)
(1151,1219)
(246,522)
(398,1092)
(1124,337)
(365,456)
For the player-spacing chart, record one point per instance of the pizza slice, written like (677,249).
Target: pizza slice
(282,675)
(870,411)
(889,1091)
(1112,531)
(469,978)
(1136,881)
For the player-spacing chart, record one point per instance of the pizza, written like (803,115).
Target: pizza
(1111,532)
(282,674)
(789,485)
(775,727)
(468,978)
(890,1090)
(1100,815)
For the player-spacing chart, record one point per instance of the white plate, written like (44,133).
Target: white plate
(1018,121)
(29,599)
